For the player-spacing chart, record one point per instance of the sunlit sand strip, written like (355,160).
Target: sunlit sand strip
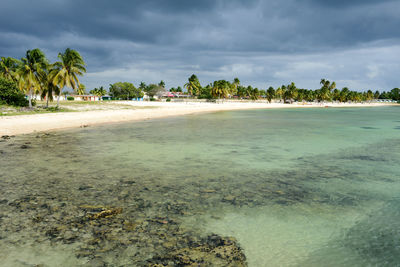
(24,124)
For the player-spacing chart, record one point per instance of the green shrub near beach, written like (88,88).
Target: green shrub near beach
(70,98)
(10,95)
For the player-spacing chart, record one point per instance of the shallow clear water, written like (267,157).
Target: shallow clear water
(295,187)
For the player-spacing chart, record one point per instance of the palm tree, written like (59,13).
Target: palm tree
(142,86)
(30,70)
(254,94)
(102,91)
(279,93)
(189,87)
(220,89)
(284,94)
(377,94)
(8,67)
(193,85)
(27,80)
(369,96)
(234,86)
(46,77)
(270,94)
(81,89)
(98,92)
(291,92)
(49,89)
(343,96)
(309,95)
(236,82)
(326,89)
(71,65)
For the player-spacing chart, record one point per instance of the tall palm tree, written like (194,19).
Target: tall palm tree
(193,85)
(70,66)
(29,72)
(291,92)
(234,86)
(161,84)
(270,94)
(98,92)
(326,89)
(27,80)
(254,94)
(279,93)
(49,89)
(220,89)
(8,67)
(189,87)
(236,82)
(344,93)
(81,90)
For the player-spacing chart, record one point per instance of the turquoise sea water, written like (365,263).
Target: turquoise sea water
(293,187)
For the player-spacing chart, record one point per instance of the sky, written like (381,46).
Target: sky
(264,43)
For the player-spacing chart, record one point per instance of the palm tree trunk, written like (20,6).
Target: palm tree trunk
(30,98)
(58,99)
(47,100)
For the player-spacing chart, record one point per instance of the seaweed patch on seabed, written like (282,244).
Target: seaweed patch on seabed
(369,128)
(137,219)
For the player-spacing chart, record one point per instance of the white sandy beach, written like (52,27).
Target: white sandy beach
(25,124)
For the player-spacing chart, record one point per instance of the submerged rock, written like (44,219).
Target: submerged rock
(210,251)
(106,213)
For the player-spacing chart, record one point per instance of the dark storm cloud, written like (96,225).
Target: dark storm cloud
(345,3)
(170,39)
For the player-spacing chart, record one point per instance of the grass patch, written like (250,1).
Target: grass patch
(6,110)
(70,106)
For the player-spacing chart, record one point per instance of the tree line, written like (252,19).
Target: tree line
(35,75)
(126,90)
(222,89)
(284,93)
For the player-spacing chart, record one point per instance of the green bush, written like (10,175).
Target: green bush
(53,109)
(168,99)
(152,99)
(9,94)
(70,98)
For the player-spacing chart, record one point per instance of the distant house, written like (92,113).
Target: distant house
(40,98)
(86,97)
(168,94)
(181,95)
(146,96)
(386,101)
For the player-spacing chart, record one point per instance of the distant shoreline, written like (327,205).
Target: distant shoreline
(26,124)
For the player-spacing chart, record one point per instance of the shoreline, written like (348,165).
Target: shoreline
(26,124)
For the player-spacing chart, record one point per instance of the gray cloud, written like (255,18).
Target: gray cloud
(261,42)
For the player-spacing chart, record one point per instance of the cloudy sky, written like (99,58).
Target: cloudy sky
(264,43)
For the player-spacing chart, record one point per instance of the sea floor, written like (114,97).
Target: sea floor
(246,188)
